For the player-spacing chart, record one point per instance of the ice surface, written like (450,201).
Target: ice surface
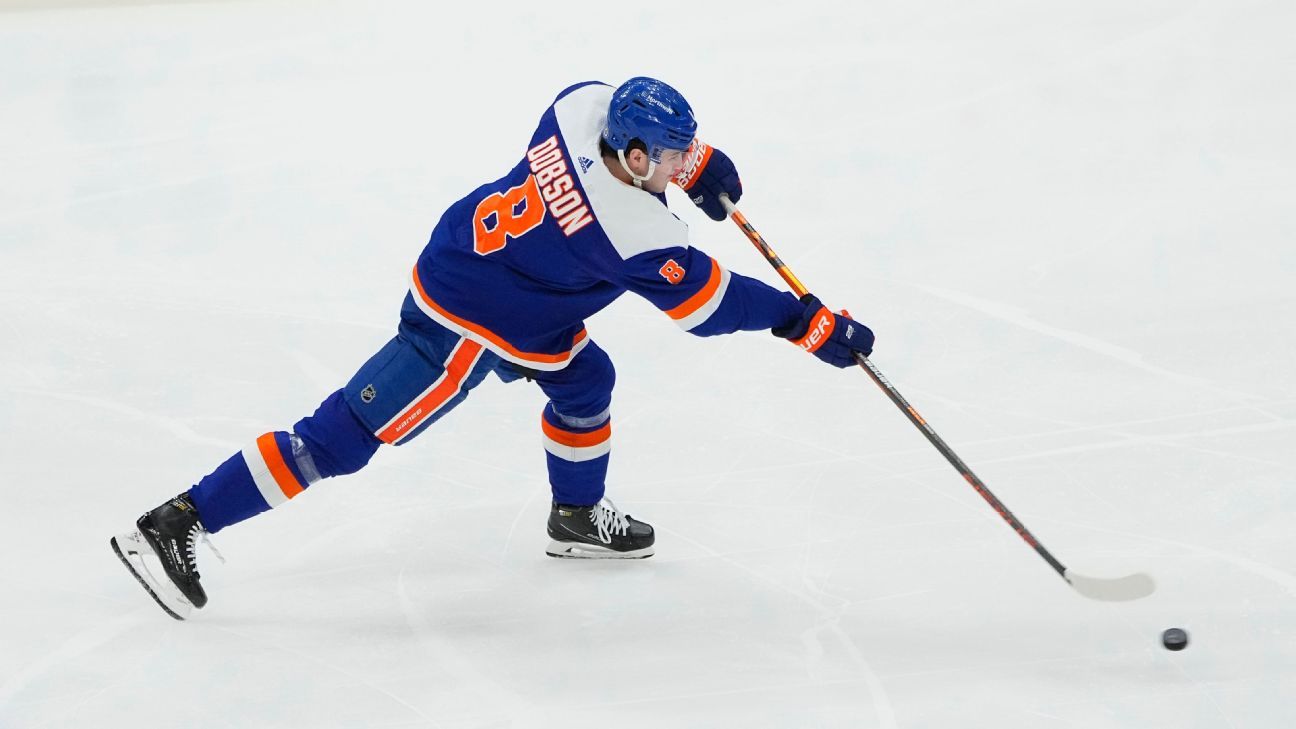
(1070,224)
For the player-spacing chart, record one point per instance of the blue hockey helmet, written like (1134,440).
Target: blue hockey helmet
(651,111)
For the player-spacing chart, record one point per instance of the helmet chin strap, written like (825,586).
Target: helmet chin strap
(638,180)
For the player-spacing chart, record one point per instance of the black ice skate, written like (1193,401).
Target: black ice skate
(166,541)
(600,531)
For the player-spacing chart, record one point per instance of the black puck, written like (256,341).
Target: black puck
(1175,639)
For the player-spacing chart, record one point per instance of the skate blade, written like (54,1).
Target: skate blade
(133,551)
(580,550)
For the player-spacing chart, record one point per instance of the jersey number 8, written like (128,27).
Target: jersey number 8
(514,213)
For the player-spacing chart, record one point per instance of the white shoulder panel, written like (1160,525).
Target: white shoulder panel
(633,220)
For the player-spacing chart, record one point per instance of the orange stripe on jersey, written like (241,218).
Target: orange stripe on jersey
(269,449)
(576,440)
(698,300)
(423,408)
(492,337)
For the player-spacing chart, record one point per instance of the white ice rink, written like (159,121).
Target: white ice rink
(1071,225)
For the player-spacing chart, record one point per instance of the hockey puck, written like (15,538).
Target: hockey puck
(1175,639)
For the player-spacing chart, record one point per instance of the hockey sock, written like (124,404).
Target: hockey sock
(577,452)
(271,470)
(279,465)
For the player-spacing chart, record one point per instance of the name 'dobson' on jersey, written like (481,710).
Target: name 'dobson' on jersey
(551,181)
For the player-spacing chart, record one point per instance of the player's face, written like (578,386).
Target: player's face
(670,164)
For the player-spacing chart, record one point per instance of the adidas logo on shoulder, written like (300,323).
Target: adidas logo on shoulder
(585,163)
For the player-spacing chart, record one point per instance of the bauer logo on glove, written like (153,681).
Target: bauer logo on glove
(818,333)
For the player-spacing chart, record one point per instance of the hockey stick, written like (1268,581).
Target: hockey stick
(1130,587)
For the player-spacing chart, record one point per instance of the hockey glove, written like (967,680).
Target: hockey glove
(707,174)
(833,338)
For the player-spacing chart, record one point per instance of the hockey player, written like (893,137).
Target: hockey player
(581,219)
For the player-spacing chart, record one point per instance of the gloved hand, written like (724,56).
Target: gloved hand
(707,173)
(833,338)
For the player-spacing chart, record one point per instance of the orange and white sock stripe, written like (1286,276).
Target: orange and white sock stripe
(577,447)
(270,472)
(461,361)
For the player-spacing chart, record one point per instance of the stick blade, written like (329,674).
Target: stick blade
(1115,589)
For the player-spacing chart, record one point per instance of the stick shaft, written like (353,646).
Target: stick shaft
(958,464)
(894,395)
(797,287)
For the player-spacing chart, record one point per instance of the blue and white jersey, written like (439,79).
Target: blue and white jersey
(519,263)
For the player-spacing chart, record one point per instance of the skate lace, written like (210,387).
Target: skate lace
(191,546)
(608,519)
